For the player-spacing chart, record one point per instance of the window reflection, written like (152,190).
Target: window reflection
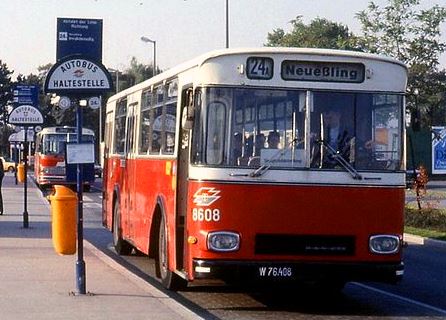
(251,127)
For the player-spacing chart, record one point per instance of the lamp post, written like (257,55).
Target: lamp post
(116,71)
(227,23)
(146,40)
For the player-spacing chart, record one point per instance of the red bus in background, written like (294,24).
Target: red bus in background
(276,164)
(49,156)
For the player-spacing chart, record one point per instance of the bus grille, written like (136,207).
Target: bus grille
(280,244)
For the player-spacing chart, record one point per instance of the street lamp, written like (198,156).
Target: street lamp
(116,71)
(145,39)
(227,23)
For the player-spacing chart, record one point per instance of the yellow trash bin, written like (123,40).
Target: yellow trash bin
(63,219)
(21,172)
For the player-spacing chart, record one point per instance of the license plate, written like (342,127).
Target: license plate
(275,272)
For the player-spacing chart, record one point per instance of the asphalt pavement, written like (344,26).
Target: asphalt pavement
(37,283)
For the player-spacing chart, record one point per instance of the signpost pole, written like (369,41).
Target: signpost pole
(88,84)
(80,263)
(25,186)
(16,159)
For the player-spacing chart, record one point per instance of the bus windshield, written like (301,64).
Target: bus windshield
(54,144)
(252,127)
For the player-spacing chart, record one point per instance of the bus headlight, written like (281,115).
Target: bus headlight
(384,244)
(223,241)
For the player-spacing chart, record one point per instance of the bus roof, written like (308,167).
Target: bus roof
(200,60)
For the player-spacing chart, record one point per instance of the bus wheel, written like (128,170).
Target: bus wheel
(122,247)
(169,279)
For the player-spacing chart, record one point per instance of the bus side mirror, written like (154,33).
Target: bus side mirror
(187,117)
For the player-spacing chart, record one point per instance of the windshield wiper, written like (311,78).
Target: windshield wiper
(341,160)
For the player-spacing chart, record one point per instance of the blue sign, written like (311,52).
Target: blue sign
(438,150)
(79,36)
(24,94)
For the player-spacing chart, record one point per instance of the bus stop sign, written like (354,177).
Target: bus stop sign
(25,115)
(77,76)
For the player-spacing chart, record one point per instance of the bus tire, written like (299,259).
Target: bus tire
(169,279)
(122,247)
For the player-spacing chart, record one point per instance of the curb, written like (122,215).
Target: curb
(172,304)
(410,238)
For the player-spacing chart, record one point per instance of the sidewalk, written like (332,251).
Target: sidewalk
(36,283)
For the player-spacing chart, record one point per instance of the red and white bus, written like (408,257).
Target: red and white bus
(224,166)
(49,156)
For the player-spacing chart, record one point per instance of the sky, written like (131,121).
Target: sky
(182,29)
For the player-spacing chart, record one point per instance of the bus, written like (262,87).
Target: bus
(223,167)
(49,157)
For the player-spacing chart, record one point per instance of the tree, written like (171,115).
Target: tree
(320,33)
(5,98)
(411,34)
(135,73)
(5,89)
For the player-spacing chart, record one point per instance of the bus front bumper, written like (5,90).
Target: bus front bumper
(298,271)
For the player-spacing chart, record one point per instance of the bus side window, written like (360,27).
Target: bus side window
(145,121)
(170,117)
(121,112)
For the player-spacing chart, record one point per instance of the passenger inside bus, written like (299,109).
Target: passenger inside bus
(259,143)
(237,147)
(273,140)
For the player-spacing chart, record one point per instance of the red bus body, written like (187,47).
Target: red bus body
(314,223)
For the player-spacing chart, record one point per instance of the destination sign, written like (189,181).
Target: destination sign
(75,75)
(322,71)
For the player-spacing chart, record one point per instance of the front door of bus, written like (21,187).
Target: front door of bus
(182,186)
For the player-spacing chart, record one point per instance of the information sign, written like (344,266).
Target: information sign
(79,36)
(20,136)
(80,153)
(438,150)
(26,94)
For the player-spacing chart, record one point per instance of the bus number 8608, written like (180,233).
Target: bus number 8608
(200,214)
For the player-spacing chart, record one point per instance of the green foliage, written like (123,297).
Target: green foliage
(5,89)
(5,97)
(319,33)
(429,218)
(426,233)
(134,74)
(404,30)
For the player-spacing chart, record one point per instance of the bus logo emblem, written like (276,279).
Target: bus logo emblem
(206,196)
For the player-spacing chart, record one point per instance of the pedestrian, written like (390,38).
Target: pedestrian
(2,174)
